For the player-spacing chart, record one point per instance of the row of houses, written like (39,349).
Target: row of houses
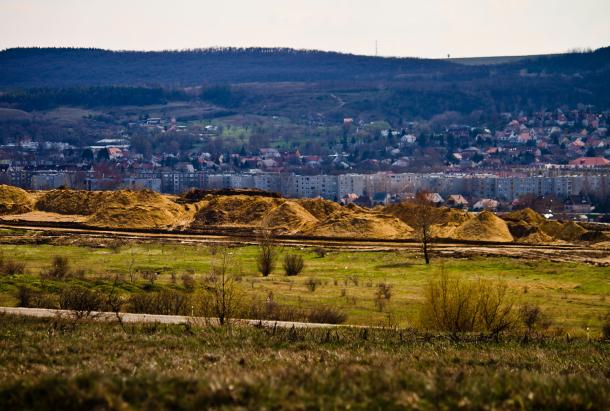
(384,186)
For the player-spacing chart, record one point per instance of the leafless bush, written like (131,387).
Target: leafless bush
(12,267)
(293,264)
(606,326)
(272,311)
(533,318)
(326,315)
(81,301)
(188,281)
(222,296)
(165,302)
(25,296)
(59,269)
(116,245)
(312,284)
(150,276)
(320,252)
(267,255)
(380,303)
(456,306)
(351,279)
(384,291)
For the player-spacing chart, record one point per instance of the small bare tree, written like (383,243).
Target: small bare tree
(267,254)
(221,289)
(425,216)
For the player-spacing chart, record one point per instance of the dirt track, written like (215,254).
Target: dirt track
(92,237)
(160,319)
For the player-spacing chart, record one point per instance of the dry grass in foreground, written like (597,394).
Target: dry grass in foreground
(82,365)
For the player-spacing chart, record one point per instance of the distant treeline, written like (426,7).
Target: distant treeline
(61,67)
(298,83)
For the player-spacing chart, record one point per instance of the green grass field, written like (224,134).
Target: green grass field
(61,364)
(573,295)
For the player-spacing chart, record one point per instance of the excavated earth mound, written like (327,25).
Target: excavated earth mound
(314,217)
(278,214)
(14,200)
(526,215)
(358,223)
(484,227)
(117,209)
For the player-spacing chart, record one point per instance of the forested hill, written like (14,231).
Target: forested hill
(53,67)
(291,82)
(64,67)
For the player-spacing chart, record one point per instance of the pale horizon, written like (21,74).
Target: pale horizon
(432,29)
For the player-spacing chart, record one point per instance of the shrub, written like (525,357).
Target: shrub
(25,296)
(59,270)
(533,318)
(81,301)
(272,311)
(606,327)
(320,252)
(326,315)
(457,306)
(293,264)
(165,302)
(384,291)
(32,298)
(188,281)
(149,276)
(267,256)
(12,267)
(312,284)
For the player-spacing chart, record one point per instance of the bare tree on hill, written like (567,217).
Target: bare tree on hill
(425,216)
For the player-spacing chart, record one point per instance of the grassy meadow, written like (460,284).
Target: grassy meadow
(574,296)
(60,364)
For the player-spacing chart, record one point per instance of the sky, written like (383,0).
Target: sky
(429,28)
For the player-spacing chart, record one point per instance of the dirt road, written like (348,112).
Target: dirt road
(153,318)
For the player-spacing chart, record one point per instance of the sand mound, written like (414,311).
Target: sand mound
(306,217)
(527,215)
(484,227)
(14,200)
(116,209)
(537,237)
(279,214)
(569,231)
(66,201)
(140,209)
(320,208)
(289,217)
(362,225)
(440,215)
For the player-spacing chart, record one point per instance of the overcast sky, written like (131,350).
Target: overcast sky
(428,28)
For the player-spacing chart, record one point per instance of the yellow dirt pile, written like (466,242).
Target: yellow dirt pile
(526,215)
(255,212)
(484,227)
(313,217)
(361,223)
(527,226)
(117,209)
(14,200)
(448,223)
(569,231)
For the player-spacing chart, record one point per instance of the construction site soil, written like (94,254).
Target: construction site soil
(251,213)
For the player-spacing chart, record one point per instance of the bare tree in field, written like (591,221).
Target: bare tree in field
(222,292)
(267,254)
(425,215)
